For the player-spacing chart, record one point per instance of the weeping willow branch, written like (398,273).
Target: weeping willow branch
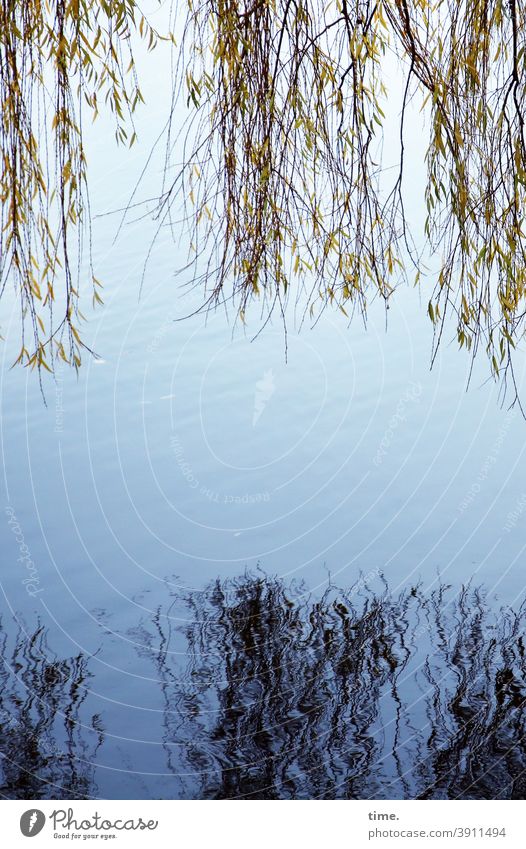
(284,181)
(286,178)
(58,60)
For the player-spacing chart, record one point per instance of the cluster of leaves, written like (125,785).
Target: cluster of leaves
(283,175)
(286,176)
(284,172)
(58,60)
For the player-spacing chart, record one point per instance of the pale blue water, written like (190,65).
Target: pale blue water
(191,454)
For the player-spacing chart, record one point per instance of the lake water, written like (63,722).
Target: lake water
(254,577)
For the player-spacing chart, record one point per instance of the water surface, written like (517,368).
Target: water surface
(230,573)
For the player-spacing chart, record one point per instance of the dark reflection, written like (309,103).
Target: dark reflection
(286,695)
(46,750)
(353,695)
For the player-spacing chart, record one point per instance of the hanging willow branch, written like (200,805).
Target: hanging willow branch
(57,59)
(286,176)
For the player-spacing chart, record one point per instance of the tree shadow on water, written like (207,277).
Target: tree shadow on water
(283,694)
(354,695)
(46,750)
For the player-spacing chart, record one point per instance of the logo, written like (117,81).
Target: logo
(32,822)
(265,389)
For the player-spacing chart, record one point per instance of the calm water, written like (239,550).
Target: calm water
(251,577)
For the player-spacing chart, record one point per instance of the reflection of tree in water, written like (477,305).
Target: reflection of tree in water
(352,695)
(286,695)
(45,753)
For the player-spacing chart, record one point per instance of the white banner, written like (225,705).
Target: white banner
(261,824)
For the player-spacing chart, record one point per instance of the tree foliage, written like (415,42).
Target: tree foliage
(294,95)
(284,179)
(58,60)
